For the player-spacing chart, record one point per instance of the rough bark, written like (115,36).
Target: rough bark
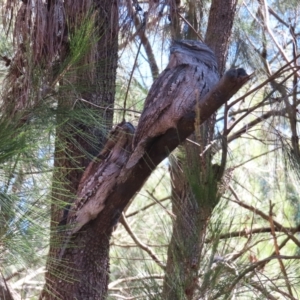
(94,76)
(219,28)
(80,267)
(192,203)
(195,180)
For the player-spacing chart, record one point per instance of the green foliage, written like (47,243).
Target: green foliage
(79,44)
(24,195)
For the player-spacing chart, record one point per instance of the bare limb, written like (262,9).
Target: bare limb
(275,75)
(245,233)
(277,251)
(263,215)
(269,30)
(143,246)
(147,206)
(135,278)
(252,268)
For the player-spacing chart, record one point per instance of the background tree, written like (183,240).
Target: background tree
(194,178)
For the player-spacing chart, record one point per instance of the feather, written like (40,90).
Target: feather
(191,72)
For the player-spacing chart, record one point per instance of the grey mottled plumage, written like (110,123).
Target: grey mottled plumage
(190,74)
(98,180)
(96,183)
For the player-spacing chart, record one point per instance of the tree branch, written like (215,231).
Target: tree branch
(263,215)
(277,250)
(130,180)
(148,206)
(143,246)
(245,233)
(135,278)
(252,268)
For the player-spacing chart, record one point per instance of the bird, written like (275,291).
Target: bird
(191,72)
(98,181)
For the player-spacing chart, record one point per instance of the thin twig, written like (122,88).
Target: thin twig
(159,203)
(144,39)
(275,75)
(284,242)
(269,30)
(190,25)
(273,13)
(254,122)
(282,267)
(134,245)
(262,214)
(252,268)
(147,206)
(130,78)
(108,108)
(250,110)
(134,278)
(245,233)
(31,275)
(144,247)
(255,157)
(262,290)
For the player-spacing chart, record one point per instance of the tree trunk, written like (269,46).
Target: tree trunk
(193,199)
(84,274)
(195,180)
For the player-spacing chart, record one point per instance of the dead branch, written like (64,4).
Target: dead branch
(143,246)
(277,251)
(245,233)
(135,278)
(263,215)
(252,268)
(147,206)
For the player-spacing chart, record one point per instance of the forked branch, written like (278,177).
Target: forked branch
(126,182)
